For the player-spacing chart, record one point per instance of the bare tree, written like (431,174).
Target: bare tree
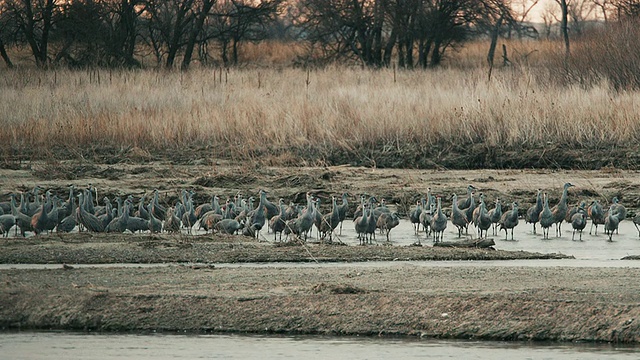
(564,27)
(579,12)
(7,32)
(204,7)
(34,18)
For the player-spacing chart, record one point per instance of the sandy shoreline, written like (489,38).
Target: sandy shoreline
(510,303)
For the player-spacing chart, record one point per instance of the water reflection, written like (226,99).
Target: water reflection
(63,345)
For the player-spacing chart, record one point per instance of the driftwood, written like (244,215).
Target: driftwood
(477,243)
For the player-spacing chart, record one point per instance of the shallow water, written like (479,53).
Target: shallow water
(592,247)
(65,345)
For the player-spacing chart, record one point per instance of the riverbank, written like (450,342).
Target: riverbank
(500,303)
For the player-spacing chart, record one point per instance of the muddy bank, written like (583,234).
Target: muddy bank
(399,187)
(512,303)
(85,248)
(410,154)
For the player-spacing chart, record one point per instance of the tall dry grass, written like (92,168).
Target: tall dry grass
(339,115)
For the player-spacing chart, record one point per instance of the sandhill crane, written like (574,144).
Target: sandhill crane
(155,225)
(439,222)
(425,218)
(293,211)
(509,220)
(414,215)
(90,221)
(382,209)
(107,217)
(205,208)
(40,219)
(270,208)
(22,220)
(596,214)
(303,223)
(142,211)
(532,215)
(569,217)
(258,217)
(388,221)
(208,221)
(228,226)
(611,222)
(578,222)
(483,220)
(159,211)
(342,209)
(7,221)
(330,221)
(636,222)
(31,208)
(171,223)
(465,203)
(372,220)
(546,218)
(618,210)
(278,223)
(560,210)
(68,207)
(361,225)
(135,224)
(189,217)
(458,217)
(495,215)
(119,224)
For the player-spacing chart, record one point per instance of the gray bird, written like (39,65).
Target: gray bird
(439,222)
(495,215)
(342,209)
(532,215)
(388,221)
(611,222)
(509,220)
(458,217)
(414,215)
(228,226)
(7,221)
(596,214)
(330,221)
(578,222)
(560,210)
(361,225)
(89,220)
(482,221)
(546,218)
(171,222)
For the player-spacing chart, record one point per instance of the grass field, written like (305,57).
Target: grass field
(453,116)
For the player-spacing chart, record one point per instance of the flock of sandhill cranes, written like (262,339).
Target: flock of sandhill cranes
(47,213)
(465,212)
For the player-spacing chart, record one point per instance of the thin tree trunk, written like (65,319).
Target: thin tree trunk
(5,56)
(494,42)
(564,28)
(188,52)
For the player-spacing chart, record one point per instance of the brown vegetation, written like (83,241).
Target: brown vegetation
(451,118)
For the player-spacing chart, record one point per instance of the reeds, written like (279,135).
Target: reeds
(338,115)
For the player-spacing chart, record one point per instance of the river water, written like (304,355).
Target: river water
(70,346)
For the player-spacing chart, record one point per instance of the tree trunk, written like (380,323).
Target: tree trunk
(5,56)
(197,29)
(436,56)
(234,53)
(564,28)
(494,42)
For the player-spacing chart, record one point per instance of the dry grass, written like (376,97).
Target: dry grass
(341,115)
